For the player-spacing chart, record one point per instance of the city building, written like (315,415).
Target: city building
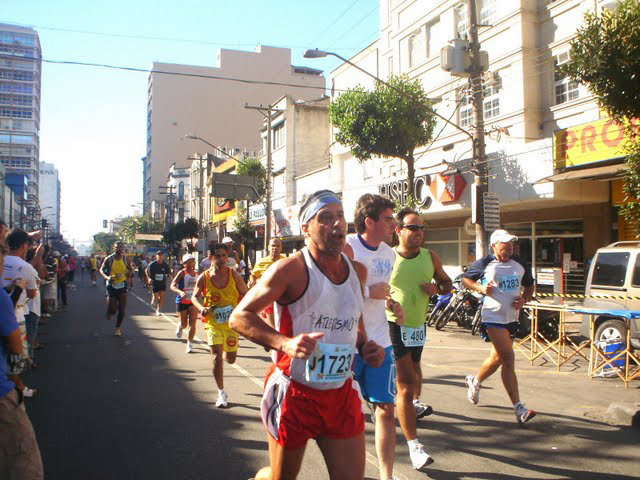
(178,193)
(300,163)
(50,196)
(9,202)
(20,81)
(209,102)
(553,157)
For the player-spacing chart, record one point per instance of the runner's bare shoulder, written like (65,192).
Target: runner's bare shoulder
(290,272)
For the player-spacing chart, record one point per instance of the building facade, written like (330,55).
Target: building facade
(179,193)
(50,196)
(532,115)
(20,81)
(209,102)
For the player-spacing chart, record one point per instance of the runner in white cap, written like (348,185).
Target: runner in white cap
(183,284)
(309,393)
(507,285)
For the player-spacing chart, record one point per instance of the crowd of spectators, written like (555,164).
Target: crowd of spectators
(34,279)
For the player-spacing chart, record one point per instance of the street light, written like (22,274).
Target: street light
(191,136)
(480,234)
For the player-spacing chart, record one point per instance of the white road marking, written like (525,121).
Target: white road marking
(369,457)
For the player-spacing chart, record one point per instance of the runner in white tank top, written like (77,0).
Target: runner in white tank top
(309,392)
(184,284)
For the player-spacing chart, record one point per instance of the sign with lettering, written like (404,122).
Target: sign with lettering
(427,188)
(590,142)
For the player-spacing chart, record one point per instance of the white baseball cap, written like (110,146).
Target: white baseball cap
(227,240)
(502,236)
(186,257)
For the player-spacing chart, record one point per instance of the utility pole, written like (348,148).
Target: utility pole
(480,169)
(267,208)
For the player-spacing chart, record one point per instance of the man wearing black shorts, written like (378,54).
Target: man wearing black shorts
(158,272)
(116,269)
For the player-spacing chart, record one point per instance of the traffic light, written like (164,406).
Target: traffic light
(104,224)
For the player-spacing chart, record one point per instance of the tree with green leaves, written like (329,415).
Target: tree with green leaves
(130,226)
(253,167)
(605,56)
(186,230)
(387,122)
(103,242)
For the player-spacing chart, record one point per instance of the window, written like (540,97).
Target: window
(611,269)
(465,115)
(181,191)
(278,136)
(636,273)
(491,102)
(565,89)
(445,243)
(417,47)
(486,13)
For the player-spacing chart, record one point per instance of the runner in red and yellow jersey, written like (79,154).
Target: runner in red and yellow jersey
(220,288)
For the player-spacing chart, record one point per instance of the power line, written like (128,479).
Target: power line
(350,29)
(334,21)
(158,38)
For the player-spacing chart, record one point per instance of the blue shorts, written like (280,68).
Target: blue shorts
(378,385)
(511,327)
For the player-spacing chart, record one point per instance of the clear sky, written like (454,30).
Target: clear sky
(93,120)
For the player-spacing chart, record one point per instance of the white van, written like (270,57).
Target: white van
(614,272)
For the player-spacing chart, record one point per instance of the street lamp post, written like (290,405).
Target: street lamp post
(478,156)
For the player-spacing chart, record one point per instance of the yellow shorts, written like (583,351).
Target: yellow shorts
(222,334)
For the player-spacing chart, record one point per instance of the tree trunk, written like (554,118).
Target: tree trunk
(411,173)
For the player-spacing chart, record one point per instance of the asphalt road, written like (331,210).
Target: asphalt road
(139,407)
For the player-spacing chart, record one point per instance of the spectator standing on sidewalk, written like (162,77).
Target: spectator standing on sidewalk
(19,453)
(63,271)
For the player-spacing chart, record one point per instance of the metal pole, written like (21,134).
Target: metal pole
(267,223)
(479,155)
(201,206)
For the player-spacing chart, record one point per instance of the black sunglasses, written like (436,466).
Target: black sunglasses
(413,228)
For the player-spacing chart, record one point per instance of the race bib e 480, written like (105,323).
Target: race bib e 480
(413,336)
(329,363)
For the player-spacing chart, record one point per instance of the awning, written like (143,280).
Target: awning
(596,173)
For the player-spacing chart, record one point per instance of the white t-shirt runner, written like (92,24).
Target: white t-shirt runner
(509,277)
(14,268)
(379,263)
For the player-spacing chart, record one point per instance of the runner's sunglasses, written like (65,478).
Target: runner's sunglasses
(412,227)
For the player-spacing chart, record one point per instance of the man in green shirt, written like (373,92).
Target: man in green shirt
(411,283)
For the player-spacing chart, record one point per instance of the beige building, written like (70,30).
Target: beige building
(209,102)
(539,126)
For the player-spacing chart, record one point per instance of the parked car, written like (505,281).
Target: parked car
(615,272)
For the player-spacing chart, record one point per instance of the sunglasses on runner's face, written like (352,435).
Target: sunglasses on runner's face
(413,228)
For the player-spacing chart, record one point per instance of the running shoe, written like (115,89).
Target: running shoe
(473,390)
(422,410)
(222,400)
(189,347)
(117,332)
(178,332)
(523,415)
(158,312)
(420,458)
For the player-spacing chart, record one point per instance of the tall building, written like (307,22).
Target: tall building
(205,101)
(50,196)
(20,79)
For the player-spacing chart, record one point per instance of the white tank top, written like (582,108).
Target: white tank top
(189,283)
(329,308)
(379,262)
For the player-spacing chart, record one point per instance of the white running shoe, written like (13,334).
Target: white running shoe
(420,458)
(189,347)
(473,390)
(523,414)
(178,332)
(222,400)
(158,312)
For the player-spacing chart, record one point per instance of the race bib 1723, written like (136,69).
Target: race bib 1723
(222,314)
(329,363)
(413,336)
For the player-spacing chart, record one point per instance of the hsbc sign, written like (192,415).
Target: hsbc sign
(427,188)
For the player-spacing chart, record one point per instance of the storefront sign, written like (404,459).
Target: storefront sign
(545,276)
(256,213)
(590,142)
(426,188)
(491,206)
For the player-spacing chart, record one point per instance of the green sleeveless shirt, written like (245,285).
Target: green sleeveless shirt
(406,277)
